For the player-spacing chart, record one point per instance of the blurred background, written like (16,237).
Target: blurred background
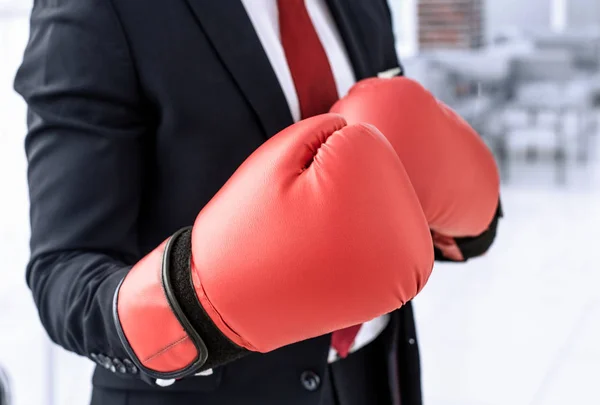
(520,325)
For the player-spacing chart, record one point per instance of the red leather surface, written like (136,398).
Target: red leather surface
(318,230)
(451,168)
(155,335)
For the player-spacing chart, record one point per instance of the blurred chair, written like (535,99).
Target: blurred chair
(584,46)
(486,87)
(546,83)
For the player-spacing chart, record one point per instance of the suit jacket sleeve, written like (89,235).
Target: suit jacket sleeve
(83,148)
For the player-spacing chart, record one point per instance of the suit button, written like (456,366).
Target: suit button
(310,380)
(119,366)
(131,368)
(94,357)
(104,361)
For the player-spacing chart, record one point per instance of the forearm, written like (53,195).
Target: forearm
(73,292)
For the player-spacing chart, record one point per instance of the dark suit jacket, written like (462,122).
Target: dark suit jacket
(139,111)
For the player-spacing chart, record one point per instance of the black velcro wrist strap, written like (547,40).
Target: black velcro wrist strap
(177,279)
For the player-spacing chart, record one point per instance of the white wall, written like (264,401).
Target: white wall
(584,12)
(531,15)
(537,15)
(404,16)
(519,14)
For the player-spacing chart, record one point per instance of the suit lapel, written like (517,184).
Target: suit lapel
(348,31)
(230,31)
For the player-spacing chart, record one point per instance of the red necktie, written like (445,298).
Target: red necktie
(306,59)
(316,89)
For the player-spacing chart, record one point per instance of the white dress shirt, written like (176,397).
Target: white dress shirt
(265,19)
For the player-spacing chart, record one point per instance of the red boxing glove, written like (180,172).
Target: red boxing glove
(318,230)
(451,168)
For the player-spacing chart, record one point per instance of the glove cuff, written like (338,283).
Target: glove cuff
(160,319)
(154,300)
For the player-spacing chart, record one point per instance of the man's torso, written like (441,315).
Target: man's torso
(211,97)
